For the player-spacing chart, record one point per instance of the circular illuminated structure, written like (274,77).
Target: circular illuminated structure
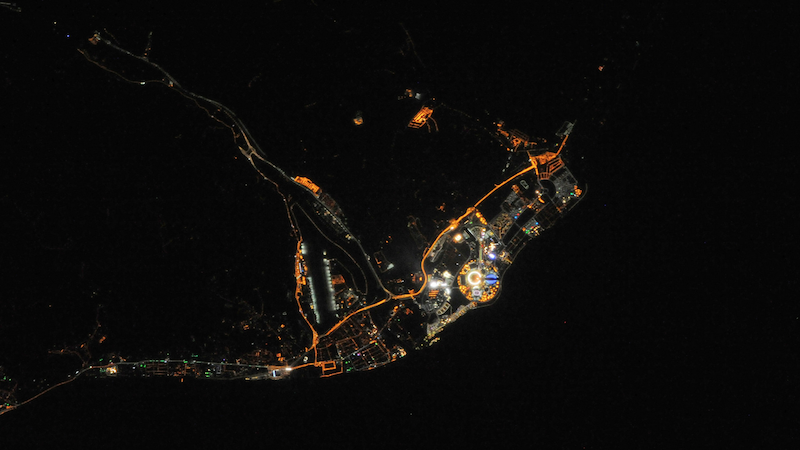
(475,278)
(478,281)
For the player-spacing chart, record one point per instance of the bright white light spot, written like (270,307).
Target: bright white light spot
(474,278)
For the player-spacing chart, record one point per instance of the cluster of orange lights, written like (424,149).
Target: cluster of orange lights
(298,271)
(309,184)
(476,281)
(330,368)
(543,159)
(421,117)
(517,139)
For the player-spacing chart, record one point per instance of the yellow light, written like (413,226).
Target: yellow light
(458,238)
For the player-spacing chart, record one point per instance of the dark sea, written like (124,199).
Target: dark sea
(656,314)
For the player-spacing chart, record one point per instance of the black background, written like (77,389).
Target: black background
(657,314)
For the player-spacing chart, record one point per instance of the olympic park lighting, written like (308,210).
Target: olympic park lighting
(474,278)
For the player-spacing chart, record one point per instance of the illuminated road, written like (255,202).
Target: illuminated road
(351,320)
